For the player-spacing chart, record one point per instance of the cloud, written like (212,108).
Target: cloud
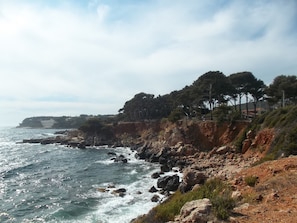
(61,57)
(102,11)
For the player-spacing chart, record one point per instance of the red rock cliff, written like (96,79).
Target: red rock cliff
(202,136)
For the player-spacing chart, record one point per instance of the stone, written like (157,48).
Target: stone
(153,189)
(155,175)
(246,145)
(162,160)
(222,150)
(236,195)
(112,154)
(191,178)
(168,183)
(120,192)
(250,135)
(153,158)
(165,168)
(155,198)
(142,152)
(120,158)
(244,206)
(196,187)
(197,211)
(272,196)
(102,190)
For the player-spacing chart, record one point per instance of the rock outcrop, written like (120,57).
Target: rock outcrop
(198,211)
(191,177)
(168,183)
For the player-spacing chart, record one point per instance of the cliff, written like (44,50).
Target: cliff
(205,150)
(202,136)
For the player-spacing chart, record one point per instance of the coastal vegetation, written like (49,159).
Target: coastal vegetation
(214,96)
(215,189)
(251,180)
(284,123)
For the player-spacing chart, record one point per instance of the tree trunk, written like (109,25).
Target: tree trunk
(255,107)
(247,105)
(240,106)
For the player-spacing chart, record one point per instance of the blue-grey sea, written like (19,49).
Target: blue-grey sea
(54,183)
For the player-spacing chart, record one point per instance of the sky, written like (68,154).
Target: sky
(72,57)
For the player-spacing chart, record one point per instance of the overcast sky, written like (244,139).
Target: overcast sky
(72,57)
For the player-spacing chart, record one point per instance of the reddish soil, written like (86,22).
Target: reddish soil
(273,198)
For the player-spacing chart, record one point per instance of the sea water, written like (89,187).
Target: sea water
(55,183)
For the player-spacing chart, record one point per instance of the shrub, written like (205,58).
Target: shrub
(284,121)
(216,190)
(222,206)
(251,180)
(175,115)
(239,141)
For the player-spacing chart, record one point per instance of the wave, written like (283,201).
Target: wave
(17,170)
(51,183)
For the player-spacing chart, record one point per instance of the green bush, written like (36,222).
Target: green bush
(175,115)
(216,190)
(239,141)
(251,180)
(222,206)
(284,122)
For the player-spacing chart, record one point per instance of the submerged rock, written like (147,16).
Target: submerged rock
(155,198)
(155,175)
(153,189)
(120,158)
(120,192)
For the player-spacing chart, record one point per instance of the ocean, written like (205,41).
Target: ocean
(55,183)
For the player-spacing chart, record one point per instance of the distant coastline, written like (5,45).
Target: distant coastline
(58,122)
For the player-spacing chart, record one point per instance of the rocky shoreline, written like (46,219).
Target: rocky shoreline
(171,147)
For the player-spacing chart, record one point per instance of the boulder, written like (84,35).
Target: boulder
(153,158)
(102,189)
(153,189)
(120,192)
(168,183)
(186,150)
(162,160)
(197,211)
(155,175)
(143,152)
(112,154)
(155,198)
(165,168)
(191,178)
(246,145)
(120,158)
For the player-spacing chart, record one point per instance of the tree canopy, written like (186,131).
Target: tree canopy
(210,91)
(283,87)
